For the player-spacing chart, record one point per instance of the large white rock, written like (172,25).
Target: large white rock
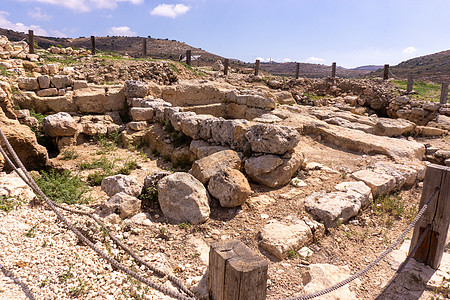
(208,166)
(61,81)
(358,187)
(183,198)
(122,204)
(135,89)
(230,187)
(12,186)
(278,238)
(380,184)
(121,183)
(275,139)
(60,124)
(28,83)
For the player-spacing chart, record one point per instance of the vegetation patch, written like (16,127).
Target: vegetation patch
(7,204)
(424,90)
(62,187)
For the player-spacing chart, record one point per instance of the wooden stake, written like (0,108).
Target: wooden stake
(297,70)
(386,72)
(235,273)
(92,45)
(409,85)
(31,41)
(444,93)
(144,47)
(188,57)
(257,67)
(225,66)
(333,70)
(437,215)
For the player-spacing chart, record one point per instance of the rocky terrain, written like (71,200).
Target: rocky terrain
(317,176)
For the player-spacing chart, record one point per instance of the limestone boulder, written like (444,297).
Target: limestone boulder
(274,171)
(230,187)
(121,184)
(6,103)
(279,239)
(60,124)
(357,187)
(142,113)
(23,140)
(44,81)
(28,83)
(97,100)
(50,92)
(274,139)
(135,89)
(441,121)
(12,186)
(202,149)
(203,169)
(137,126)
(334,207)
(183,198)
(218,66)
(393,127)
(151,181)
(122,204)
(61,81)
(380,184)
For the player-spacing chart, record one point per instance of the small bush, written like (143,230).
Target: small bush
(69,154)
(149,197)
(96,178)
(8,204)
(128,167)
(62,187)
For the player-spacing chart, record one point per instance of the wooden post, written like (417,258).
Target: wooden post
(188,57)
(235,273)
(444,93)
(257,67)
(31,41)
(437,215)
(144,47)
(225,66)
(92,45)
(333,70)
(386,72)
(409,85)
(297,70)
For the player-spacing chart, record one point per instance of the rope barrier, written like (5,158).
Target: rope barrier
(25,176)
(373,263)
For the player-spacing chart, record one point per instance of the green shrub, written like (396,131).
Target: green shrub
(96,178)
(69,154)
(7,204)
(62,187)
(149,197)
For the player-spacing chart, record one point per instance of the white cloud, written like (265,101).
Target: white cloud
(57,33)
(5,23)
(287,60)
(121,31)
(38,14)
(170,10)
(315,60)
(409,50)
(86,5)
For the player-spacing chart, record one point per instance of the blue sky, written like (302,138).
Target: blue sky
(350,32)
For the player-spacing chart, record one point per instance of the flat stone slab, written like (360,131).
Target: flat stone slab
(380,184)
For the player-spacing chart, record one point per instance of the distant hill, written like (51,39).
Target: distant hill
(433,67)
(310,70)
(156,48)
(368,68)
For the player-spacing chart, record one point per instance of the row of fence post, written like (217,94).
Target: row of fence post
(409,86)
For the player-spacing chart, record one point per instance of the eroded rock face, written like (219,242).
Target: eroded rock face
(23,140)
(60,124)
(183,198)
(230,187)
(121,183)
(274,139)
(203,169)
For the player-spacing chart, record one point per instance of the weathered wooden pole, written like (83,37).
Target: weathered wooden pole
(236,273)
(188,57)
(437,215)
(257,67)
(409,85)
(333,70)
(31,41)
(444,93)
(92,45)
(144,47)
(386,72)
(297,70)
(225,66)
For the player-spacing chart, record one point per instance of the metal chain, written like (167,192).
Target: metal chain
(373,263)
(25,176)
